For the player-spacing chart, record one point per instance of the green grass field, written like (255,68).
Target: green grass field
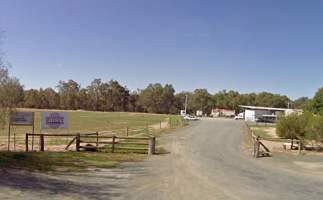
(83,121)
(86,121)
(106,123)
(263,131)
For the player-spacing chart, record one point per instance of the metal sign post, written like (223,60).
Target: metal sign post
(53,120)
(20,119)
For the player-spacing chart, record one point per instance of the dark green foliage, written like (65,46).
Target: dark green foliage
(11,94)
(314,128)
(305,126)
(68,92)
(201,99)
(157,98)
(316,104)
(292,126)
(301,103)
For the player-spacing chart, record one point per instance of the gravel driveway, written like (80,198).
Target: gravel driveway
(208,161)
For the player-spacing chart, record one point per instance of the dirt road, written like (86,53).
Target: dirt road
(206,161)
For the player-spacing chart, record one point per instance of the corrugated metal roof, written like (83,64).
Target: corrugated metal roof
(264,108)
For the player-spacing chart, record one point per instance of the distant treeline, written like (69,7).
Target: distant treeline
(155,98)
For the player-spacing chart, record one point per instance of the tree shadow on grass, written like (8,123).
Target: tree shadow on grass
(48,185)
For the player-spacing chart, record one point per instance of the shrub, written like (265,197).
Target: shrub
(292,126)
(314,129)
(305,126)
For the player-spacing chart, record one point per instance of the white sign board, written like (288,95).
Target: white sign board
(22,118)
(54,120)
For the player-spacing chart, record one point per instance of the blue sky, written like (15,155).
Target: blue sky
(244,45)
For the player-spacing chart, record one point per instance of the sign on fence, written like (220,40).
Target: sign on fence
(54,120)
(19,119)
(22,118)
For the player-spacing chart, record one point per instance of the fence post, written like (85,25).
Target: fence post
(299,147)
(257,147)
(127,131)
(27,142)
(97,139)
(113,143)
(32,142)
(14,141)
(78,142)
(152,146)
(42,143)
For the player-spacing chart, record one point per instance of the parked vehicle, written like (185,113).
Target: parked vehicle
(190,118)
(183,113)
(240,116)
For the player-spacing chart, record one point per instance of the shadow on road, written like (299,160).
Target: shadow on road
(50,185)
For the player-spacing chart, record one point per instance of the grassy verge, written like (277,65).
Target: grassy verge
(67,161)
(262,131)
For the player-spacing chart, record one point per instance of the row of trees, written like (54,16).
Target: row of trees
(155,98)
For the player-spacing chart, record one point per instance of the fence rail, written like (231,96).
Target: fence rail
(257,144)
(83,142)
(145,143)
(55,141)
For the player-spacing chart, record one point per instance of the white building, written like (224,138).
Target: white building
(199,113)
(267,114)
(222,113)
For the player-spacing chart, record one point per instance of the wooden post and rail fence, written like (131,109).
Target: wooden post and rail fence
(94,140)
(257,144)
(117,143)
(259,149)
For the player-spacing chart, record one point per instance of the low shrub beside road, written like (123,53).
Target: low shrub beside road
(306,127)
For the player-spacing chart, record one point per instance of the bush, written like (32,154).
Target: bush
(305,126)
(314,129)
(292,126)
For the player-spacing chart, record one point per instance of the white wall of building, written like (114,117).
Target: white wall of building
(250,115)
(260,113)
